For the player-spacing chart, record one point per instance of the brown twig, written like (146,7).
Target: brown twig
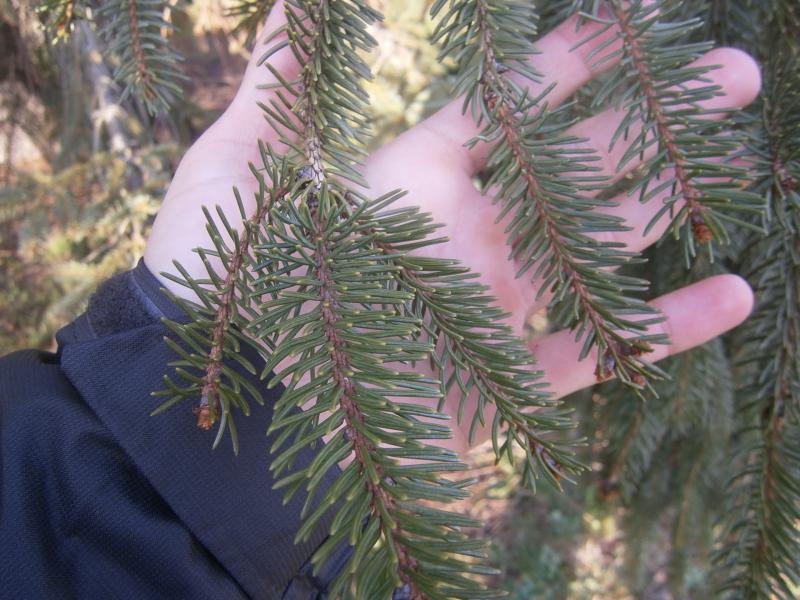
(615,350)
(702,233)
(138,52)
(208,409)
(342,374)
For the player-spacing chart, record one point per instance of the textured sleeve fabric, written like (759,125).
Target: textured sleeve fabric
(79,520)
(100,500)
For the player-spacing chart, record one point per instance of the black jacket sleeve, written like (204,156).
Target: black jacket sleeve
(100,500)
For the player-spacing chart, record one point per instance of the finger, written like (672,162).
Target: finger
(638,216)
(739,80)
(244,119)
(694,315)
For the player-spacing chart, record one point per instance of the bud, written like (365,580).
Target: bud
(700,230)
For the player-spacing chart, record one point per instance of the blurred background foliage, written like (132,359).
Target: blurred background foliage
(83,168)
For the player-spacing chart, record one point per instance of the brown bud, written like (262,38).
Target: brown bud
(205,419)
(205,412)
(635,349)
(700,230)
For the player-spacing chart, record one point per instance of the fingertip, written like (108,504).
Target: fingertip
(740,75)
(704,310)
(275,19)
(736,297)
(281,59)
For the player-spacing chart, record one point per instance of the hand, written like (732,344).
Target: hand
(431,162)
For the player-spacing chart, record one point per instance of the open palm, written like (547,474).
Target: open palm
(432,163)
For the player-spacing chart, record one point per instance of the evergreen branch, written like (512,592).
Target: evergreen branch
(382,503)
(213,332)
(148,66)
(251,15)
(689,191)
(461,318)
(333,305)
(497,364)
(757,557)
(223,318)
(541,177)
(321,115)
(660,95)
(336,310)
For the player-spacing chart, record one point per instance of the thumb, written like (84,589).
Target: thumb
(244,117)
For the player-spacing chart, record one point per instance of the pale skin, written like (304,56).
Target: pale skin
(431,163)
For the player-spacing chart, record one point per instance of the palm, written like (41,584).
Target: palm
(432,164)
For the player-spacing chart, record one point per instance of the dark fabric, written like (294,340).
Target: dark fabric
(100,500)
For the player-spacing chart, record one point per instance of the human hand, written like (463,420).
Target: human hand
(431,162)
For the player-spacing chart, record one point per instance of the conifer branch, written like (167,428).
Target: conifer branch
(148,66)
(334,309)
(757,554)
(684,149)
(381,502)
(696,210)
(541,175)
(329,137)
(496,363)
(461,319)
(214,331)
(208,409)
(145,79)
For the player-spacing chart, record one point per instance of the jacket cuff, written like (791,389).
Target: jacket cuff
(115,356)
(126,301)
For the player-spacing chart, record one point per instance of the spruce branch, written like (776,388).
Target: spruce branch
(320,115)
(222,310)
(684,148)
(148,66)
(477,351)
(543,178)
(234,265)
(321,286)
(758,549)
(347,325)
